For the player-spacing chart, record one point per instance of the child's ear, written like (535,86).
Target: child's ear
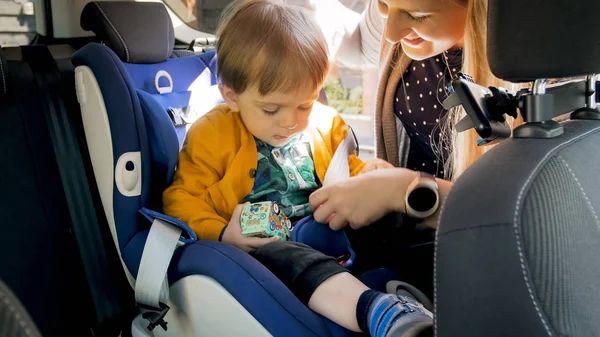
(229,96)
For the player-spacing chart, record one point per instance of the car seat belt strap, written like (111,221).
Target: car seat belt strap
(151,286)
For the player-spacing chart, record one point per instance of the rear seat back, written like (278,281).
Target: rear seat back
(62,271)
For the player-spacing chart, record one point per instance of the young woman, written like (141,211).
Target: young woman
(424,44)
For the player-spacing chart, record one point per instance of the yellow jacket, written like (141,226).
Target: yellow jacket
(218,162)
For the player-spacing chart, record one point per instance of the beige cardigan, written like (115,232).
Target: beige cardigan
(391,140)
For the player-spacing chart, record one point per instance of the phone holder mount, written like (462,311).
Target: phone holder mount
(486,108)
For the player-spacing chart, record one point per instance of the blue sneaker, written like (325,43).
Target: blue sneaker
(391,315)
(413,321)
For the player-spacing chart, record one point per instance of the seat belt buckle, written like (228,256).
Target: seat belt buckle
(155,316)
(176,115)
(342,259)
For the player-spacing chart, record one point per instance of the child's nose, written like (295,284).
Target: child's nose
(288,121)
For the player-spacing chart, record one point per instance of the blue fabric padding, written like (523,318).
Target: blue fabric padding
(254,287)
(324,239)
(211,59)
(173,100)
(164,141)
(127,129)
(181,132)
(184,72)
(249,282)
(132,252)
(199,70)
(377,279)
(188,235)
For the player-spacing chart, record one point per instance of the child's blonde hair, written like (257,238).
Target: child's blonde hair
(272,46)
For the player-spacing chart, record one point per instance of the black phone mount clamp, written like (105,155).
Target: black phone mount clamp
(486,108)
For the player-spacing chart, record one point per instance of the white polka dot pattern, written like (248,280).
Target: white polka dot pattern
(417,92)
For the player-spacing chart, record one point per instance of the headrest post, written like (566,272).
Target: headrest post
(539,87)
(203,44)
(591,88)
(590,111)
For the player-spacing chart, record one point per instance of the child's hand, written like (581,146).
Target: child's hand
(375,164)
(233,234)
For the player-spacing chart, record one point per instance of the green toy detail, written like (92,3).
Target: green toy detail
(265,219)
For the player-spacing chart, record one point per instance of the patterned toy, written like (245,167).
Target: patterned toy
(265,219)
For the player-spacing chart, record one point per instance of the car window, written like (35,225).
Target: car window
(201,15)
(17,23)
(350,91)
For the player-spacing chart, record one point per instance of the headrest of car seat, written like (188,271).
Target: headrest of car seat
(539,39)
(3,73)
(138,32)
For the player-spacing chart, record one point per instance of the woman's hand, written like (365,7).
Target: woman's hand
(233,234)
(375,164)
(362,200)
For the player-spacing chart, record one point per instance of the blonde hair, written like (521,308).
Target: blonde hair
(272,46)
(463,149)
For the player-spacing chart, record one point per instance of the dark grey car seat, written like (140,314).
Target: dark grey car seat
(518,246)
(14,319)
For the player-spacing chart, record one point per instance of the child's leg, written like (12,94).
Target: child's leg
(345,300)
(325,286)
(337,297)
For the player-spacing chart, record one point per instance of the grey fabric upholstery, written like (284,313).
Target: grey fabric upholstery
(546,38)
(118,23)
(14,319)
(179,53)
(518,247)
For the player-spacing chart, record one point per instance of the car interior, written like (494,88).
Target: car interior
(91,128)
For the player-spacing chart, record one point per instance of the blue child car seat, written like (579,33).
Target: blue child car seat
(137,103)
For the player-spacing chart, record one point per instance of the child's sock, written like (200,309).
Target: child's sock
(387,315)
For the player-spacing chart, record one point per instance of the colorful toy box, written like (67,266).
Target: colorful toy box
(265,219)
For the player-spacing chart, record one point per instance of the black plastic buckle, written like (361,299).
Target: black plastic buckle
(475,100)
(156,316)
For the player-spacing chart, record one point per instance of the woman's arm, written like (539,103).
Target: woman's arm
(361,46)
(398,204)
(354,39)
(364,199)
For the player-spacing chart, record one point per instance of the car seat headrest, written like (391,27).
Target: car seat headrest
(138,32)
(537,39)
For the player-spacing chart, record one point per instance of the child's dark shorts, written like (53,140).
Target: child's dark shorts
(301,268)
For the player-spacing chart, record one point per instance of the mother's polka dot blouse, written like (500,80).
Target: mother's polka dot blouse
(418,107)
